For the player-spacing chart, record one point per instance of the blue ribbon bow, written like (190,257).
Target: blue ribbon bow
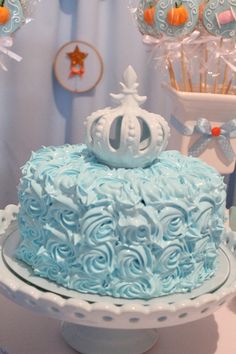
(203,127)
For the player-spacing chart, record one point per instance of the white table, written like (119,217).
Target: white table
(24,332)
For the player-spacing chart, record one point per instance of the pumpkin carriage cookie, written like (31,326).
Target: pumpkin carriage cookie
(11,16)
(219,18)
(146,17)
(176,18)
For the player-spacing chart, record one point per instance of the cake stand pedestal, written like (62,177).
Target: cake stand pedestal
(93,340)
(104,325)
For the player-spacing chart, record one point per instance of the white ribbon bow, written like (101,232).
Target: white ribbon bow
(5,43)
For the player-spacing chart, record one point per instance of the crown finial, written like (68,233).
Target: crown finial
(126,136)
(129,88)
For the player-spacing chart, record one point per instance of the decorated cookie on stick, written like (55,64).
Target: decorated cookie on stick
(146,18)
(13,14)
(194,41)
(219,18)
(176,18)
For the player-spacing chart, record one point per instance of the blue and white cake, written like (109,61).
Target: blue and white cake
(141,232)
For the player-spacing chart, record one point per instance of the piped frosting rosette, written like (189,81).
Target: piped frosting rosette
(191,39)
(13,15)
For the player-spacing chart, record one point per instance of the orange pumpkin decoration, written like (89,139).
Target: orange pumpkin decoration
(177,15)
(149,15)
(4,14)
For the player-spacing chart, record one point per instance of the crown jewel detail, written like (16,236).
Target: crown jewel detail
(126,136)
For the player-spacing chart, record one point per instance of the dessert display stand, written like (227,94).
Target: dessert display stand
(103,325)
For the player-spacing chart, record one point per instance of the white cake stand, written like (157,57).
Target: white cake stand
(104,325)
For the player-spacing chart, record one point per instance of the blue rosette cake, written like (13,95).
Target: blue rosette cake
(119,216)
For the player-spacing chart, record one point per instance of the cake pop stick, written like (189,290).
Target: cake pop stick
(184,70)
(234,88)
(215,85)
(226,71)
(201,80)
(226,92)
(173,81)
(201,70)
(205,71)
(190,81)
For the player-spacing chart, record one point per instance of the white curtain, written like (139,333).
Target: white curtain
(35,109)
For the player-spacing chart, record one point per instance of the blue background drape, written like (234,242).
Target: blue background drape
(36,110)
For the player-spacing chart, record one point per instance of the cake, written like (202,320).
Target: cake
(90,223)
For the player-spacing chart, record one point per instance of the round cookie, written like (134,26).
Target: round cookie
(15,20)
(219,18)
(146,18)
(176,18)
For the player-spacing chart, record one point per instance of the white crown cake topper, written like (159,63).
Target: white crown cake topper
(126,136)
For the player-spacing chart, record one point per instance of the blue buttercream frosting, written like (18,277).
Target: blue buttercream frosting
(131,233)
